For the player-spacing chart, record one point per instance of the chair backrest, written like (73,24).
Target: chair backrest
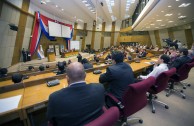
(184,70)
(108,118)
(135,97)
(162,81)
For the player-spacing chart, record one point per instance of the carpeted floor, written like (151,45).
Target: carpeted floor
(180,112)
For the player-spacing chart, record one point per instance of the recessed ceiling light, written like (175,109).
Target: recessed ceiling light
(184,4)
(152,24)
(168,15)
(162,11)
(170,21)
(177,0)
(169,6)
(56,5)
(156,27)
(62,9)
(182,16)
(158,20)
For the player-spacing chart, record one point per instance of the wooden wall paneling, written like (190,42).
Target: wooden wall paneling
(75,31)
(93,36)
(112,34)
(1,6)
(20,32)
(102,35)
(189,37)
(84,37)
(157,37)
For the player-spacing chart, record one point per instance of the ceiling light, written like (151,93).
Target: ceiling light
(152,24)
(168,15)
(158,20)
(170,21)
(56,5)
(62,9)
(169,6)
(181,17)
(184,4)
(177,0)
(162,11)
(156,27)
(108,3)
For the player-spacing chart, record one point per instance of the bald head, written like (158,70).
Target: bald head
(75,72)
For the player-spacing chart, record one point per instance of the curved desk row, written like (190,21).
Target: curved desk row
(35,93)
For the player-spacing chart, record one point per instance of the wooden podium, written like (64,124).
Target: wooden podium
(51,56)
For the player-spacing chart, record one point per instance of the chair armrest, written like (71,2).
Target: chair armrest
(115,100)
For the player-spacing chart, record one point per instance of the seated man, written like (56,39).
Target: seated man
(3,72)
(117,76)
(86,64)
(77,104)
(182,59)
(17,78)
(61,68)
(160,66)
(142,53)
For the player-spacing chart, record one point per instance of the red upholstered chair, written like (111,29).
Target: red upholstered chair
(160,85)
(108,118)
(133,100)
(182,74)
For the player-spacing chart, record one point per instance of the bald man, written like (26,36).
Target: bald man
(77,104)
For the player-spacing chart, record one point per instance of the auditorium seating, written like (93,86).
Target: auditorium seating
(108,118)
(160,85)
(182,74)
(133,100)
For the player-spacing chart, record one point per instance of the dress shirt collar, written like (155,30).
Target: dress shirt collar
(75,83)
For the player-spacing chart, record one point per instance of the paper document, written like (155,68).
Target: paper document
(147,62)
(10,103)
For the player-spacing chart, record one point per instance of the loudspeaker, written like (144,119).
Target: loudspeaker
(13,27)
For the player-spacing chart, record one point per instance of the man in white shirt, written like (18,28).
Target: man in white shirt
(160,66)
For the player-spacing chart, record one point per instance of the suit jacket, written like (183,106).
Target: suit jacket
(118,77)
(87,65)
(177,63)
(79,58)
(76,105)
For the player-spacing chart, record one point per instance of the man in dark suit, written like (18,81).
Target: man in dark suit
(117,76)
(86,64)
(24,55)
(77,104)
(184,58)
(79,57)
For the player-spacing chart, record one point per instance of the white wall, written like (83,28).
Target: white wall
(180,35)
(152,37)
(9,15)
(163,35)
(107,42)
(97,40)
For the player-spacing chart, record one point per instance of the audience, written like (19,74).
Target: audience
(118,76)
(160,66)
(77,104)
(86,64)
(17,77)
(3,72)
(184,58)
(61,68)
(79,57)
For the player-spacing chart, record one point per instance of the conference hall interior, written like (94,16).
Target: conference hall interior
(40,40)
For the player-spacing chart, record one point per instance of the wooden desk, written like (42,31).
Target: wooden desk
(69,54)
(36,96)
(51,56)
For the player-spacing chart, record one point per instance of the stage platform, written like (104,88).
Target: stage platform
(37,62)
